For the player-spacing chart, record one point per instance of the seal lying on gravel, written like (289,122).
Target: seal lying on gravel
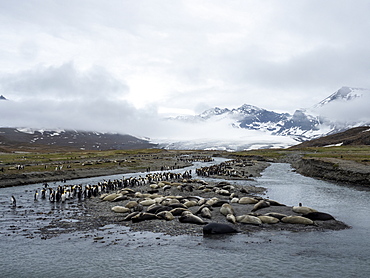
(188,217)
(316,215)
(303,210)
(218,228)
(297,220)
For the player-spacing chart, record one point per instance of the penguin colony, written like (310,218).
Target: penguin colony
(178,197)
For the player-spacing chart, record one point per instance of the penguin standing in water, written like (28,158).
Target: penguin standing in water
(35,196)
(43,193)
(14,201)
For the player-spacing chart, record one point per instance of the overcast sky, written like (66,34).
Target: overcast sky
(120,65)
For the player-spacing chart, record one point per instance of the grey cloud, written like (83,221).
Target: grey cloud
(64,97)
(63,82)
(96,115)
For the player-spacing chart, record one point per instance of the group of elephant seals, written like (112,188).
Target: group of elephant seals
(218,228)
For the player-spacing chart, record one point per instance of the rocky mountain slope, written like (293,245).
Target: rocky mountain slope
(354,136)
(26,139)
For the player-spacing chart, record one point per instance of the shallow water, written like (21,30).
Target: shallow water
(114,251)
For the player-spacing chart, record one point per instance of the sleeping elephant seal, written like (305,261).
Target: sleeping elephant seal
(260,204)
(188,217)
(231,218)
(297,220)
(248,219)
(303,210)
(227,209)
(166,215)
(130,215)
(206,213)
(178,211)
(247,200)
(142,216)
(316,215)
(218,228)
(120,209)
(276,215)
(268,219)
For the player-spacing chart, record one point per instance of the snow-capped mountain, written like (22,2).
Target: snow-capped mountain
(71,139)
(344,94)
(302,125)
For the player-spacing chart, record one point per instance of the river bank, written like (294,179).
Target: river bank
(85,168)
(330,169)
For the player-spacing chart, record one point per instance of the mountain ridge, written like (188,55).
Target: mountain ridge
(304,124)
(16,139)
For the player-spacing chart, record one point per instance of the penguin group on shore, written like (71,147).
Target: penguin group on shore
(63,193)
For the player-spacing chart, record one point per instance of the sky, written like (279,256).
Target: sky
(122,65)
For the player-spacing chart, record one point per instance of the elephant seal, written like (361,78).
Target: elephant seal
(189,204)
(120,198)
(147,202)
(130,215)
(111,197)
(303,210)
(153,208)
(248,219)
(274,203)
(231,218)
(218,228)
(142,216)
(131,204)
(276,215)
(268,219)
(178,211)
(178,205)
(166,215)
(164,208)
(316,215)
(188,217)
(247,200)
(227,209)
(120,209)
(206,213)
(219,203)
(297,220)
(261,204)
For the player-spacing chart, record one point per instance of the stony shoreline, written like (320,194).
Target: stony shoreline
(331,169)
(98,213)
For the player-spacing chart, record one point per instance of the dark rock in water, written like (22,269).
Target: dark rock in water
(218,228)
(318,216)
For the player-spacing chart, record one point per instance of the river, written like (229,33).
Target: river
(123,253)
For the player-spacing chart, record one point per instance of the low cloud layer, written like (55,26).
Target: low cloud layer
(64,97)
(353,111)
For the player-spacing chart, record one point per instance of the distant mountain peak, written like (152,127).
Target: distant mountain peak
(2,97)
(248,109)
(214,111)
(343,94)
